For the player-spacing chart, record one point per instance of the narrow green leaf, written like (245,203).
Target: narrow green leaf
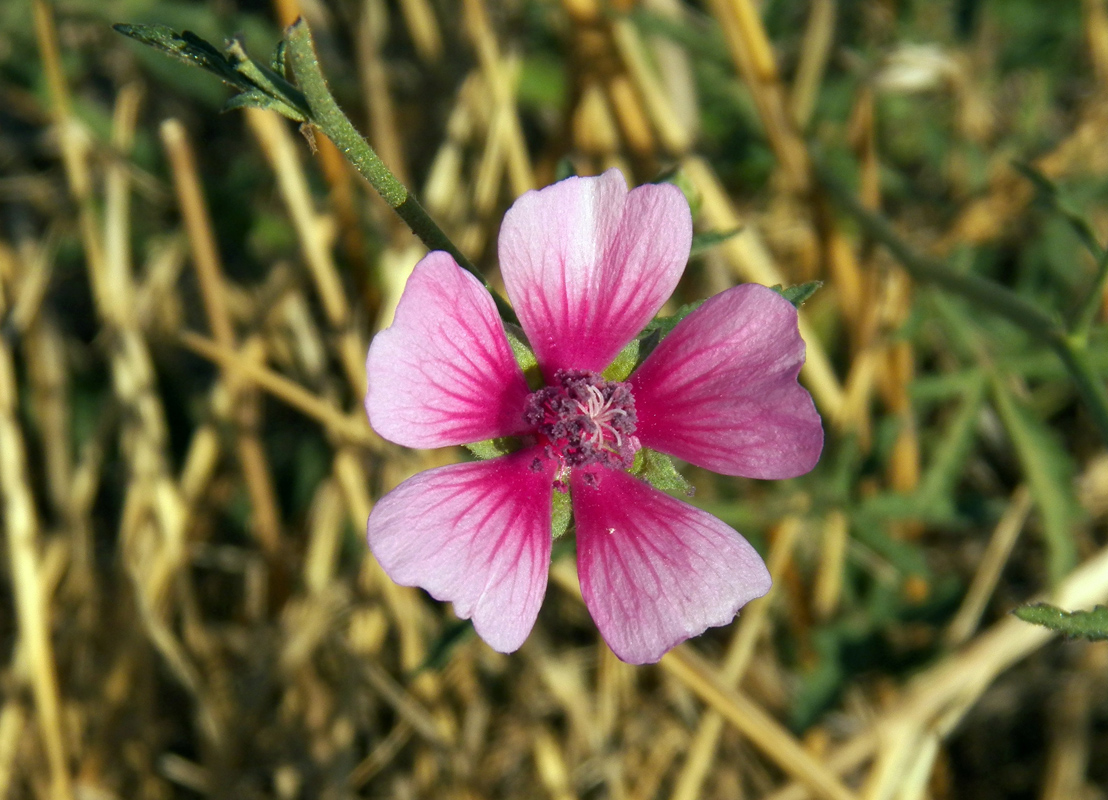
(443,648)
(948,461)
(1049,473)
(564,169)
(187,47)
(702,242)
(268,81)
(664,325)
(626,361)
(798,294)
(258,85)
(1092,625)
(1049,192)
(255,98)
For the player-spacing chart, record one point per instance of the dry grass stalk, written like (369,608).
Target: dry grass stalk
(754,59)
(315,245)
(740,651)
(384,134)
(349,428)
(819,36)
(992,563)
(32,602)
(672,129)
(1068,757)
(498,78)
(263,500)
(751,261)
(941,694)
(423,26)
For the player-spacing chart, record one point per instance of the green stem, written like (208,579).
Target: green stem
(985,294)
(336,126)
(1090,307)
(1074,354)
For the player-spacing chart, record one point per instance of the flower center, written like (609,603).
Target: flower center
(584,419)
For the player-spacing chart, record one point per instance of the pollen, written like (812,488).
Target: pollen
(584,420)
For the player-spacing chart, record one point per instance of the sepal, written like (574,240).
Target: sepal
(524,355)
(493,448)
(643,345)
(561,513)
(659,471)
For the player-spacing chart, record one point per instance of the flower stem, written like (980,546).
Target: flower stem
(1090,306)
(336,126)
(985,294)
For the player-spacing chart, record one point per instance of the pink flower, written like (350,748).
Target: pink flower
(587,265)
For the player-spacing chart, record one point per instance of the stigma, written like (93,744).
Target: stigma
(584,420)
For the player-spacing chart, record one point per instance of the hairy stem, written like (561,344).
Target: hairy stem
(336,126)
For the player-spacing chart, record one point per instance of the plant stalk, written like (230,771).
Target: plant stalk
(336,126)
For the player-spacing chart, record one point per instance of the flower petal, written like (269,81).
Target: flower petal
(587,264)
(475,534)
(720,391)
(443,373)
(655,571)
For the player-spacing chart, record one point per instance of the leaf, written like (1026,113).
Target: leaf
(255,98)
(258,85)
(277,64)
(798,294)
(702,242)
(443,648)
(948,459)
(564,169)
(1049,192)
(187,47)
(1092,625)
(1049,473)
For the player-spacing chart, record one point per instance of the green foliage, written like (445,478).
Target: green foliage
(258,86)
(658,470)
(636,351)
(493,448)
(797,295)
(702,242)
(562,513)
(524,355)
(1049,473)
(1092,625)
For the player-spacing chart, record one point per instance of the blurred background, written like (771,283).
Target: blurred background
(188,608)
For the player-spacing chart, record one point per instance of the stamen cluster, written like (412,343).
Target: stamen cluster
(583,420)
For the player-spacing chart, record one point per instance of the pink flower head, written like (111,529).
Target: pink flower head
(587,264)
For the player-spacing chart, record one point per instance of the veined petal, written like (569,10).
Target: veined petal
(443,373)
(656,571)
(477,535)
(720,391)
(587,264)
